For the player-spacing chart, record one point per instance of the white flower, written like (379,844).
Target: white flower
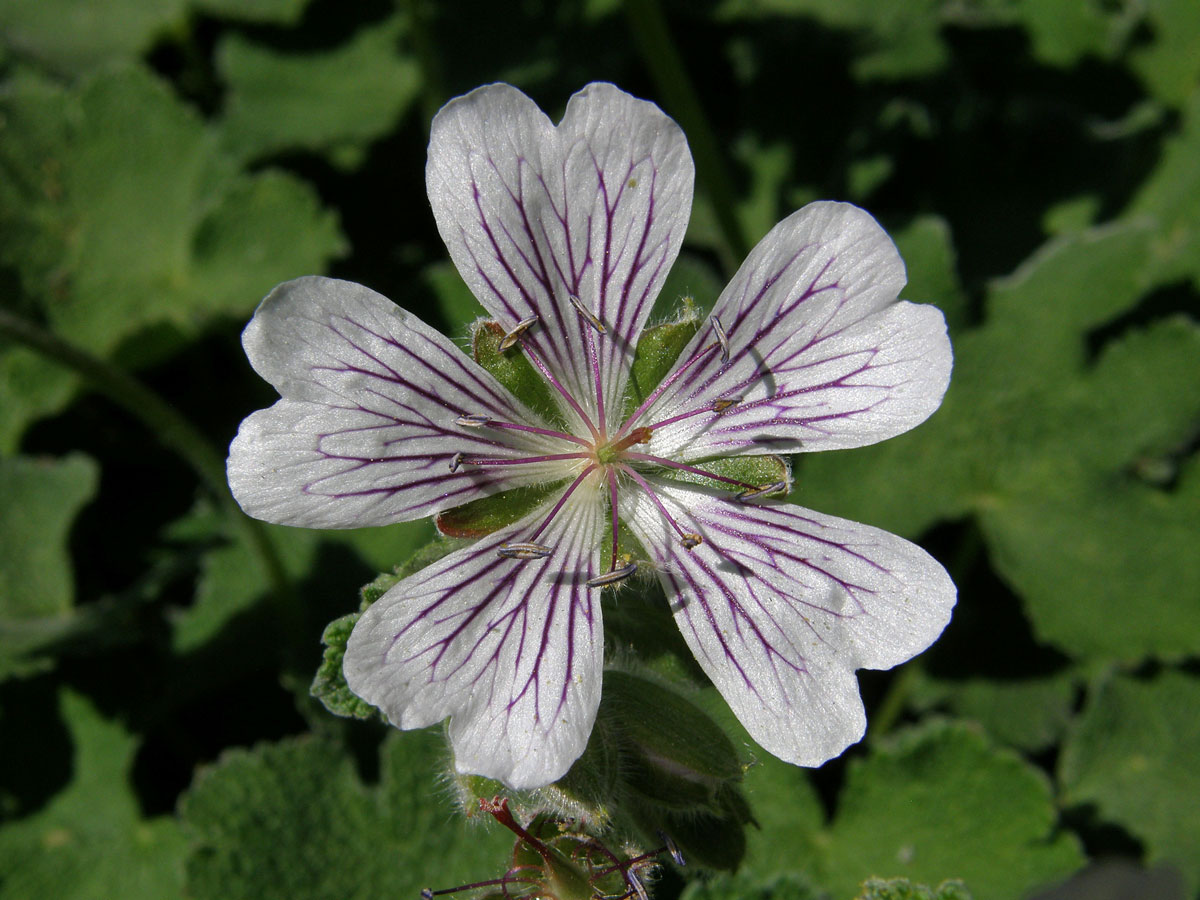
(565,235)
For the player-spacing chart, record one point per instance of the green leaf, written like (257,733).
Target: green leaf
(903,889)
(268,11)
(294,821)
(892,40)
(72,36)
(40,499)
(1170,62)
(30,387)
(329,686)
(91,841)
(119,212)
(937,803)
(927,248)
(1056,453)
(1029,714)
(335,102)
(790,886)
(1135,754)
(1172,196)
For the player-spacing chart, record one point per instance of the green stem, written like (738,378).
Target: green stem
(661,57)
(162,420)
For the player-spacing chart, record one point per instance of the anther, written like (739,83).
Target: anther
(519,329)
(723,403)
(593,320)
(473,421)
(691,540)
(616,576)
(523,550)
(456,461)
(774,487)
(673,849)
(636,884)
(719,331)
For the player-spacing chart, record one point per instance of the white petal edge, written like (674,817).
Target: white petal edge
(511,650)
(821,354)
(364,433)
(533,214)
(780,606)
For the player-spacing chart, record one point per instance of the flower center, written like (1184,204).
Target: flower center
(612,460)
(612,451)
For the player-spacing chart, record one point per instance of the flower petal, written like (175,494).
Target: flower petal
(365,432)
(512,650)
(821,356)
(780,605)
(533,215)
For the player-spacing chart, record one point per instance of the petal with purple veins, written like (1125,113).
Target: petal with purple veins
(535,215)
(821,355)
(510,649)
(780,606)
(365,432)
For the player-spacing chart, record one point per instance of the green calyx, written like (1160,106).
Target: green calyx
(513,369)
(481,517)
(657,351)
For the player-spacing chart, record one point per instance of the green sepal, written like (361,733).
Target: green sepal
(481,517)
(329,685)
(513,370)
(657,351)
(757,470)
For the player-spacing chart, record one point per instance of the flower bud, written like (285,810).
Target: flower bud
(673,754)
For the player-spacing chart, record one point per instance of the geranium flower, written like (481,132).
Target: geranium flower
(565,235)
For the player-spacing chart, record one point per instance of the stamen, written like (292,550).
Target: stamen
(632,879)
(612,502)
(673,849)
(685,537)
(517,330)
(704,410)
(637,436)
(546,431)
(519,461)
(566,395)
(473,421)
(614,577)
(523,550)
(456,461)
(774,487)
(719,331)
(723,403)
(587,314)
(666,383)
(563,499)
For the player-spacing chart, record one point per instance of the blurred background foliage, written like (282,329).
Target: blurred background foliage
(163,163)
